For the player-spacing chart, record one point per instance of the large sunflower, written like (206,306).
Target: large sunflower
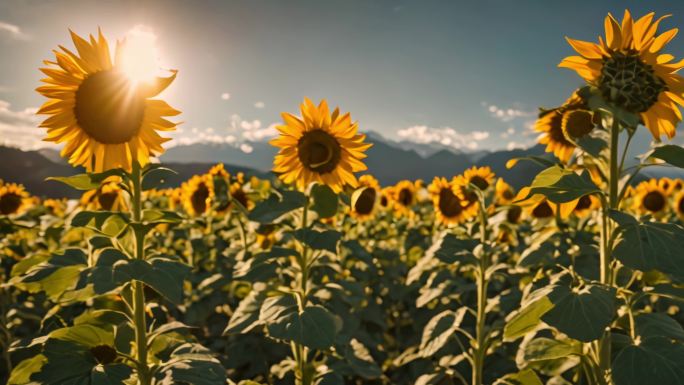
(561,124)
(449,207)
(631,73)
(366,198)
(14,199)
(649,197)
(319,147)
(106,119)
(198,194)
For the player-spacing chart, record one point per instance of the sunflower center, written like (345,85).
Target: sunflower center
(449,204)
(680,206)
(480,182)
(240,196)
(513,214)
(405,197)
(654,201)
(106,200)
(9,203)
(577,123)
(198,199)
(364,204)
(543,210)
(319,151)
(583,203)
(104,354)
(384,201)
(628,82)
(109,108)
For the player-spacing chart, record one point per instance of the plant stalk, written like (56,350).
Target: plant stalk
(138,287)
(482,284)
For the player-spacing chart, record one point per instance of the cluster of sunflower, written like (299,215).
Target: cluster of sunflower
(322,275)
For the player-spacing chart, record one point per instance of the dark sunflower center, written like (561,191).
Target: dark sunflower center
(480,182)
(449,204)
(680,205)
(405,197)
(198,199)
(384,201)
(628,82)
(583,203)
(364,204)
(508,194)
(265,229)
(577,123)
(9,203)
(319,151)
(109,108)
(654,201)
(543,210)
(513,214)
(106,200)
(104,354)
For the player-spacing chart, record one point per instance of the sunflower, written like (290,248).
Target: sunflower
(403,197)
(650,198)
(538,207)
(504,192)
(586,205)
(630,72)
(55,207)
(679,205)
(237,192)
(106,119)
(14,199)
(319,147)
(265,236)
(386,197)
(365,199)
(449,207)
(198,194)
(481,177)
(109,196)
(558,126)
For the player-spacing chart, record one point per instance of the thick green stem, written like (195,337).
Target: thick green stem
(300,352)
(138,287)
(482,284)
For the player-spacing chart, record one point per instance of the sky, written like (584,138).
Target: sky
(469,75)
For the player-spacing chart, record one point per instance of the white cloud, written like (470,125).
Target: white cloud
(13,31)
(246,148)
(260,134)
(225,96)
(19,128)
(506,114)
(445,136)
(259,105)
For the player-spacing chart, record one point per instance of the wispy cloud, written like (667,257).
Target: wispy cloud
(259,104)
(445,136)
(225,96)
(19,128)
(239,133)
(507,114)
(13,31)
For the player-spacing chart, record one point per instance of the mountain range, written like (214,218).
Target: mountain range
(387,160)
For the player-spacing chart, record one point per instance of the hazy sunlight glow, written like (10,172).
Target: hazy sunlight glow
(140,56)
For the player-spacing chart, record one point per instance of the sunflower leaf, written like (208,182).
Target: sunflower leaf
(560,185)
(325,200)
(87,181)
(670,154)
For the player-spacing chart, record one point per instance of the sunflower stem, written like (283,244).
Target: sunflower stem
(480,334)
(138,287)
(299,351)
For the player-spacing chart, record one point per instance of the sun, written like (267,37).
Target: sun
(139,58)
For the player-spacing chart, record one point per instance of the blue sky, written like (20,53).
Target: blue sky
(470,74)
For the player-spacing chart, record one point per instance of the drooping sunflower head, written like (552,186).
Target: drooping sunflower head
(403,196)
(504,192)
(537,206)
(649,197)
(630,72)
(14,199)
(319,147)
(237,192)
(106,118)
(559,126)
(109,196)
(586,205)
(449,207)
(198,194)
(366,199)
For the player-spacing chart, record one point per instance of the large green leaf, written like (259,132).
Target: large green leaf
(246,317)
(192,364)
(528,317)
(581,314)
(654,360)
(542,349)
(450,249)
(318,240)
(658,325)
(109,223)
(670,153)
(262,266)
(439,329)
(523,377)
(271,209)
(651,246)
(315,327)
(561,185)
(324,200)
(87,181)
(58,274)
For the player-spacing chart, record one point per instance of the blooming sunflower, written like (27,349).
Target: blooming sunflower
(319,147)
(106,119)
(55,207)
(449,207)
(630,71)
(386,197)
(403,196)
(109,196)
(558,126)
(198,194)
(538,207)
(586,205)
(237,192)
(14,199)
(365,199)
(504,192)
(649,197)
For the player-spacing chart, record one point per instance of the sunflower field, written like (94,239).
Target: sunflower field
(320,275)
